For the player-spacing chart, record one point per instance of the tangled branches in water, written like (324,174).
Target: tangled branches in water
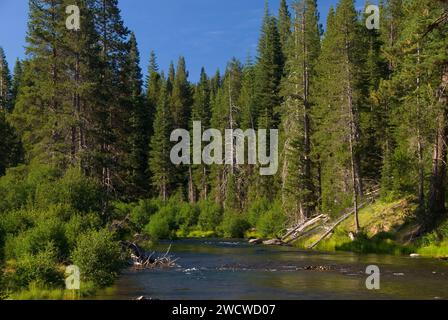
(143,261)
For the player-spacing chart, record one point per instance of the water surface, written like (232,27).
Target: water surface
(217,269)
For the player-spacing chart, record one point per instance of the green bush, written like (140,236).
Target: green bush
(2,245)
(15,222)
(210,216)
(258,209)
(162,224)
(41,268)
(14,191)
(234,225)
(142,212)
(74,189)
(99,257)
(37,239)
(271,222)
(187,216)
(80,224)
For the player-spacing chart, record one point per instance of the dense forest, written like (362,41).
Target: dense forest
(86,139)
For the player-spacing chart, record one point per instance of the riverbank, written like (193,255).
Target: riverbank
(387,228)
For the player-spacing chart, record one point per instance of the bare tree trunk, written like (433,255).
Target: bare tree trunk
(191,193)
(204,183)
(437,191)
(308,185)
(421,169)
(353,141)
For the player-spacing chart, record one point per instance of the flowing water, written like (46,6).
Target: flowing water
(217,269)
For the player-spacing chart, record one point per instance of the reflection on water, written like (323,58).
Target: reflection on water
(214,269)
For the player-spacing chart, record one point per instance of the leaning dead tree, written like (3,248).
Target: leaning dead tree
(320,222)
(142,260)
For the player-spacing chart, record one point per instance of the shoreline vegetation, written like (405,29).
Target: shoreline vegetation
(85,153)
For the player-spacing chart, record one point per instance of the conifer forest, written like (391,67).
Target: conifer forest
(331,137)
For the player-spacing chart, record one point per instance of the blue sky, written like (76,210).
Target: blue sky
(207,32)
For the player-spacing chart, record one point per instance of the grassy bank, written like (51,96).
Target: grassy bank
(388,227)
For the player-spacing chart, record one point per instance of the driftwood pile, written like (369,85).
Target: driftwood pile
(141,260)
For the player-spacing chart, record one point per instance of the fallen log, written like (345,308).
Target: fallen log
(273,242)
(335,225)
(303,226)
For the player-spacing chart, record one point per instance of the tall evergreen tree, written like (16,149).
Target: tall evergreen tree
(159,155)
(423,91)
(153,86)
(139,120)
(284,24)
(5,82)
(112,114)
(269,71)
(340,94)
(11,151)
(268,74)
(181,96)
(201,112)
(41,112)
(298,86)
(16,82)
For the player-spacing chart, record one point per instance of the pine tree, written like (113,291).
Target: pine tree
(153,86)
(284,25)
(269,71)
(5,83)
(11,151)
(298,85)
(159,155)
(247,120)
(181,96)
(268,74)
(201,112)
(374,120)
(424,130)
(41,112)
(111,112)
(340,95)
(171,79)
(225,116)
(139,120)
(16,82)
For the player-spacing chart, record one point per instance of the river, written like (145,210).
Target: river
(218,269)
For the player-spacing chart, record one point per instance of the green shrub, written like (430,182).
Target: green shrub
(162,225)
(210,216)
(187,216)
(99,257)
(141,213)
(37,239)
(80,224)
(234,225)
(74,189)
(41,268)
(258,209)
(14,191)
(271,222)
(15,222)
(2,246)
